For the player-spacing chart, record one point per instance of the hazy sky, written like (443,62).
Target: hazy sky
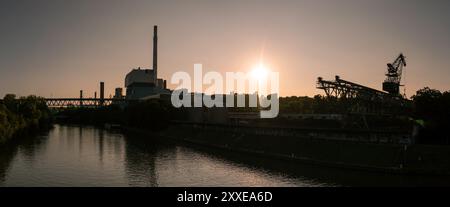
(55,48)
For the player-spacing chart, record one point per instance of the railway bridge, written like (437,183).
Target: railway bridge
(82,102)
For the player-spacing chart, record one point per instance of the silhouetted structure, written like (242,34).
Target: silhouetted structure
(394,75)
(87,102)
(102,93)
(142,83)
(81,97)
(365,100)
(118,93)
(77,102)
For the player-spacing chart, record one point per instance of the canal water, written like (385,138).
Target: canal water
(89,156)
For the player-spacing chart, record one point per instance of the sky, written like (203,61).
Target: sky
(54,48)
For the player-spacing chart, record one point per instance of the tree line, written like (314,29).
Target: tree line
(22,115)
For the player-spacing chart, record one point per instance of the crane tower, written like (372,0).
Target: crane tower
(394,75)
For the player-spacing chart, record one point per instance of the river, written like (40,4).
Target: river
(88,156)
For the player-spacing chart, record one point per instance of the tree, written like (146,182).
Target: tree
(427,103)
(10,102)
(433,107)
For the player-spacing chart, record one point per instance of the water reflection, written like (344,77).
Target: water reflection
(140,161)
(26,147)
(88,156)
(7,154)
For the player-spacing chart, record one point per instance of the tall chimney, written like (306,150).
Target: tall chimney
(102,93)
(155,51)
(81,98)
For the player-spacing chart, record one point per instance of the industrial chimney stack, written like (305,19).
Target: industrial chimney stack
(155,51)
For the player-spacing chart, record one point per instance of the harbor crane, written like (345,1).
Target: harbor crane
(369,100)
(394,75)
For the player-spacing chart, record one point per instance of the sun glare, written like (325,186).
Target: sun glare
(260,72)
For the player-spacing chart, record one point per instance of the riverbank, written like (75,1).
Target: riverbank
(22,116)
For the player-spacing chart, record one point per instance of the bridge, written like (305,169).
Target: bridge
(96,102)
(82,102)
(85,102)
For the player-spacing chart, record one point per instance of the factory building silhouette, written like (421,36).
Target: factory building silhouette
(143,83)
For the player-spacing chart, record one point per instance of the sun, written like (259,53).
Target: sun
(260,72)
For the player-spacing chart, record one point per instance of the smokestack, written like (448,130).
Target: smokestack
(155,51)
(102,93)
(81,97)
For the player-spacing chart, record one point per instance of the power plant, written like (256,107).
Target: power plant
(144,83)
(140,83)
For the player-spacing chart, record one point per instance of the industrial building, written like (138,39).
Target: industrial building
(144,83)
